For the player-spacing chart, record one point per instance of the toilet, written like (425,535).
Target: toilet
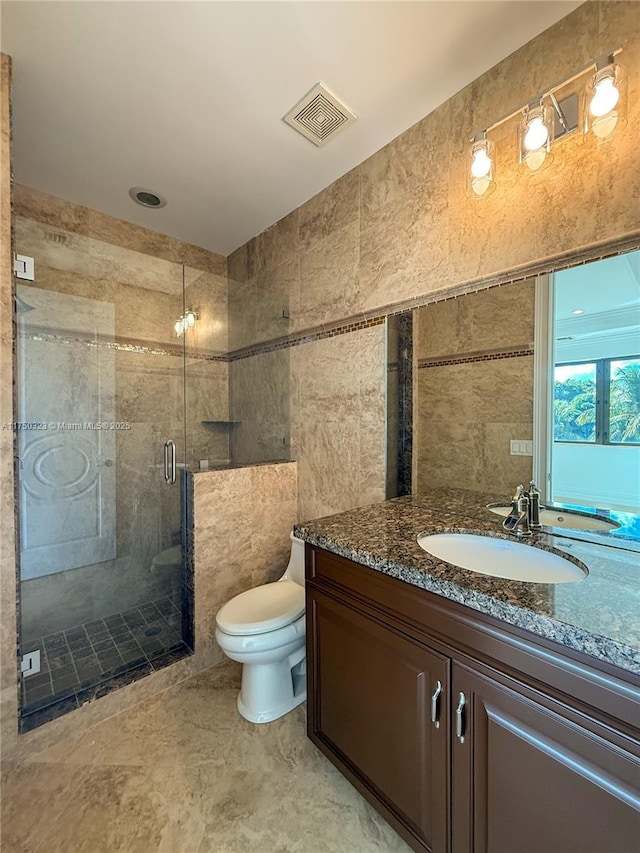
(264,629)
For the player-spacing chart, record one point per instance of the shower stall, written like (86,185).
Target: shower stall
(122,387)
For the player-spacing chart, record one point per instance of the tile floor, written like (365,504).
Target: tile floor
(86,658)
(184,773)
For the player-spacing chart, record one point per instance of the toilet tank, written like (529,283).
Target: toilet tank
(295,569)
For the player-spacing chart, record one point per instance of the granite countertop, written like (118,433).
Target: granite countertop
(599,615)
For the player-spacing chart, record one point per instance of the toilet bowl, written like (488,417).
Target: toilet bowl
(264,630)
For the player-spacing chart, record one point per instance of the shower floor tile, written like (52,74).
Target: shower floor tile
(99,654)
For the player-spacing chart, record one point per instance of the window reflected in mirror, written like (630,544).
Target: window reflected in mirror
(595,429)
(538,378)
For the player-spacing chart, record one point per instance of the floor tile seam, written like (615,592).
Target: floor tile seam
(140,649)
(25,681)
(96,653)
(168,599)
(68,650)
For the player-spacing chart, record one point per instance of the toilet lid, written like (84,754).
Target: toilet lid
(262,609)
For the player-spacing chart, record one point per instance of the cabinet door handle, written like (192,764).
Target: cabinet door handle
(435,716)
(460,717)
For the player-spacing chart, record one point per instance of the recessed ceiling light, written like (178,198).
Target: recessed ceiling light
(577,311)
(147,198)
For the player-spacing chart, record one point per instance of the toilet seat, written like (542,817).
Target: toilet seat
(262,609)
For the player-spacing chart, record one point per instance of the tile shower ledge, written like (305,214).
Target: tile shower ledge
(597,616)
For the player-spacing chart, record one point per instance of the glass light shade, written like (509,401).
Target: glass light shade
(480,181)
(606,102)
(179,327)
(535,136)
(190,319)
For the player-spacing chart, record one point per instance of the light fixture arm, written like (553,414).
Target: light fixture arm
(606,59)
(594,64)
(559,112)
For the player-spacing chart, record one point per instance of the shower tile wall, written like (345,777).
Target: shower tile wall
(259,393)
(146,293)
(207,370)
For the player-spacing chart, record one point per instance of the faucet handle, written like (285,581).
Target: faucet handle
(519,493)
(533,489)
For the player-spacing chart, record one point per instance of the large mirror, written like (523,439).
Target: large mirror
(536,379)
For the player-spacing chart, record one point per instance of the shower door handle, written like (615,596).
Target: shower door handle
(169,461)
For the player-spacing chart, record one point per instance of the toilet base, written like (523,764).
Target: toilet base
(271,690)
(270,716)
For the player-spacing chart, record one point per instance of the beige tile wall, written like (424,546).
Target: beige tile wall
(466,414)
(8,663)
(242,521)
(259,406)
(58,213)
(400,226)
(337,421)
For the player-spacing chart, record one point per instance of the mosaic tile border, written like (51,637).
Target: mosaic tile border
(308,336)
(369,319)
(119,344)
(567,260)
(473,357)
(405,395)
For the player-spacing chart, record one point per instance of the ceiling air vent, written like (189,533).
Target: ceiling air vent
(320,115)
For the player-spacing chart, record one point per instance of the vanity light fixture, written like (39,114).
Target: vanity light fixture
(535,136)
(185,322)
(551,116)
(480,172)
(605,99)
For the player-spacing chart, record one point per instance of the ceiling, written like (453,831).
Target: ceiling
(599,288)
(187,98)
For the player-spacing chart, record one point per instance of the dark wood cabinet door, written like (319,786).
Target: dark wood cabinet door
(370,706)
(527,780)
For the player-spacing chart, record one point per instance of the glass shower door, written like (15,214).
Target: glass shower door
(101,444)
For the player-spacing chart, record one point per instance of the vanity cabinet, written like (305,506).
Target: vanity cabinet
(374,691)
(527,779)
(466,734)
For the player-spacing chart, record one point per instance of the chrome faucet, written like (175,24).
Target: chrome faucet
(525,511)
(517,522)
(534,506)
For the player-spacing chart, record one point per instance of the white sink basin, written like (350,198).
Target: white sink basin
(500,558)
(564,518)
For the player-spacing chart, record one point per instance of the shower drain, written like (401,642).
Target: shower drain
(151,632)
